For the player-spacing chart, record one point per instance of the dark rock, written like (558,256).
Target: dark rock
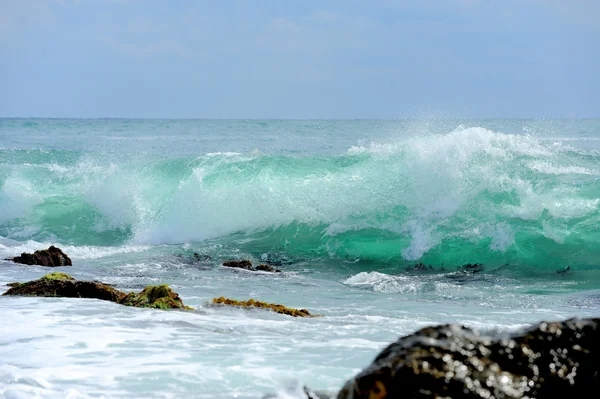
(452,361)
(419,267)
(267,268)
(310,394)
(51,257)
(472,268)
(63,285)
(247,265)
(239,264)
(564,271)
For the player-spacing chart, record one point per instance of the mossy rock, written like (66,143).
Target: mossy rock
(63,285)
(263,305)
(58,276)
(155,296)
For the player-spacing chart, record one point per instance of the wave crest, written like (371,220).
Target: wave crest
(469,193)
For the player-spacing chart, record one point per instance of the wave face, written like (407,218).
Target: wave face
(469,195)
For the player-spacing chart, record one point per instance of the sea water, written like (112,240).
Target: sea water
(352,212)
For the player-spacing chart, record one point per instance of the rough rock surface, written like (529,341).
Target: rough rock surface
(264,305)
(63,285)
(558,359)
(155,296)
(51,257)
(247,265)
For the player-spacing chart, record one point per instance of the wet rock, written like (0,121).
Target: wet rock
(419,267)
(247,265)
(566,270)
(63,285)
(310,394)
(263,305)
(51,257)
(267,268)
(239,264)
(472,268)
(154,296)
(452,361)
(201,257)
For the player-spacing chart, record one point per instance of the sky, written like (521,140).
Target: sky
(300,58)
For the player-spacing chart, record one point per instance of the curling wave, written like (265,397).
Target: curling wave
(469,195)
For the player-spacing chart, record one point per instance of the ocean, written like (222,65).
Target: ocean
(371,222)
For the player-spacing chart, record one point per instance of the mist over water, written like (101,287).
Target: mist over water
(345,208)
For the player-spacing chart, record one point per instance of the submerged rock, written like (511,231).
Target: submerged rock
(201,257)
(247,265)
(419,267)
(472,268)
(263,305)
(452,361)
(51,257)
(63,285)
(155,296)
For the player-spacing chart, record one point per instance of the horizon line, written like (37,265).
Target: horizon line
(305,119)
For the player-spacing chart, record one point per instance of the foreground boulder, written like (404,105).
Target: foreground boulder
(263,305)
(63,285)
(247,265)
(51,257)
(452,361)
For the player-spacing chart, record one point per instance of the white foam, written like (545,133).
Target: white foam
(10,248)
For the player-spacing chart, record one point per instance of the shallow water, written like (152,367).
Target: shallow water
(344,208)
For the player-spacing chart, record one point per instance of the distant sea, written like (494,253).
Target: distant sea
(371,221)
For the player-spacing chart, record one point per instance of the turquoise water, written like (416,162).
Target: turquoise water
(345,208)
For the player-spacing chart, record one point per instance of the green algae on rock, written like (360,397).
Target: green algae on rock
(263,305)
(155,296)
(51,257)
(64,285)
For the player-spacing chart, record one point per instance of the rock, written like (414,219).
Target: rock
(63,285)
(472,268)
(155,296)
(452,361)
(247,265)
(201,257)
(264,305)
(267,268)
(310,394)
(51,257)
(419,267)
(239,264)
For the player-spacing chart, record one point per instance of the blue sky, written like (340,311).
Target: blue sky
(300,59)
